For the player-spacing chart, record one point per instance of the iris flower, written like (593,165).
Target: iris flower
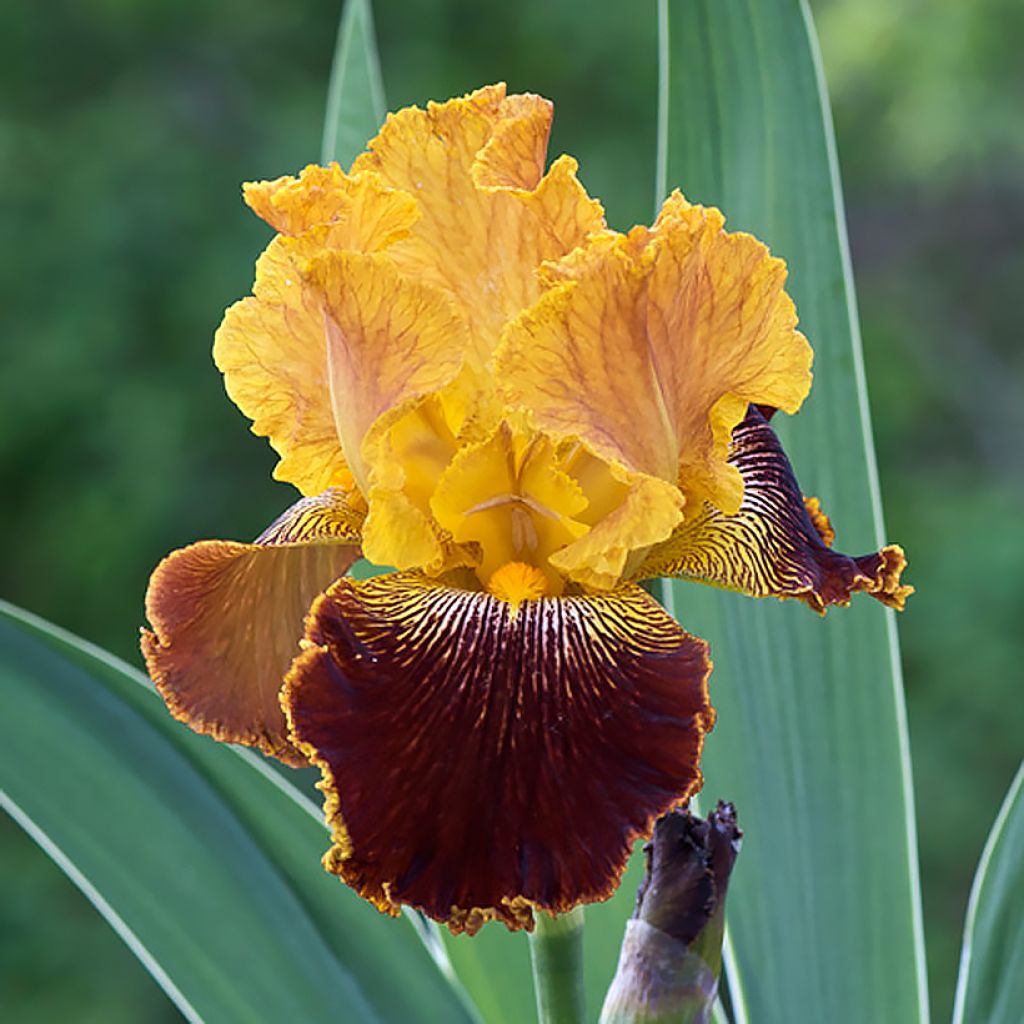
(522,413)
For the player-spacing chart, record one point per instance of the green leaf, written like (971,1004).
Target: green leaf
(203,858)
(355,96)
(811,743)
(990,988)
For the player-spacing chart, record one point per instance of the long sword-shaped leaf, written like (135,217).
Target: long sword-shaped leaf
(811,743)
(355,96)
(200,857)
(990,988)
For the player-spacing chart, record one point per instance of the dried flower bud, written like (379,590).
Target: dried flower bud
(671,954)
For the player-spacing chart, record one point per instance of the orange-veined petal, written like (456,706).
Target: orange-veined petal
(393,346)
(480,760)
(271,349)
(363,212)
(489,215)
(650,346)
(271,346)
(227,619)
(516,152)
(778,544)
(390,343)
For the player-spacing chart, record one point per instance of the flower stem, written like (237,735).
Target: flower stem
(556,952)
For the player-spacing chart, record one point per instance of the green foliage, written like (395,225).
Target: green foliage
(202,859)
(824,908)
(990,989)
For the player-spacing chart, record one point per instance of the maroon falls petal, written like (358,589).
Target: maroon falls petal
(779,543)
(480,762)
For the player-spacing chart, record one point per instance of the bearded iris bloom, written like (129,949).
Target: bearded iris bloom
(472,380)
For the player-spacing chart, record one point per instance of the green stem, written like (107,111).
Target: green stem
(556,951)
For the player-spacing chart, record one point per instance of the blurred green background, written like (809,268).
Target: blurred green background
(126,129)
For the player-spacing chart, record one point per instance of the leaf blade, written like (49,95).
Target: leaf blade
(990,984)
(797,747)
(355,95)
(236,830)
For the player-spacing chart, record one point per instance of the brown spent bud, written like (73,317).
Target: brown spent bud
(671,955)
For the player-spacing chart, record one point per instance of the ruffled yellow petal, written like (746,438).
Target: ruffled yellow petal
(271,347)
(652,344)
(400,535)
(515,154)
(271,350)
(365,213)
(647,513)
(418,448)
(488,216)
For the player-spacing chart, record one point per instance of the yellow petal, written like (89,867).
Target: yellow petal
(369,215)
(271,350)
(648,512)
(515,154)
(652,344)
(390,343)
(399,534)
(488,217)
(271,347)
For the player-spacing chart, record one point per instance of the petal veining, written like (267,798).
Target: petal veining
(650,346)
(363,212)
(390,343)
(489,214)
(481,761)
(778,544)
(271,346)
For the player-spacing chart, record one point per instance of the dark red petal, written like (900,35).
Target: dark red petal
(478,763)
(227,619)
(779,543)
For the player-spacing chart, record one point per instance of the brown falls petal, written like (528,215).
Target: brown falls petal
(480,762)
(779,543)
(227,619)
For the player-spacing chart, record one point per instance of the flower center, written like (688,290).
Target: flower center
(508,498)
